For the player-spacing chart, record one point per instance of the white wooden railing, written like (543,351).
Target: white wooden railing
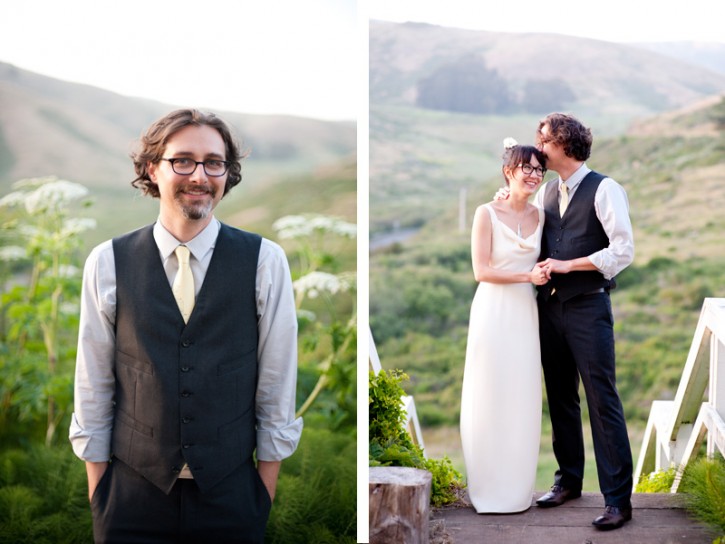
(676,428)
(411,421)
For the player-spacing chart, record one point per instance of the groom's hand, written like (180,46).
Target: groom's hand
(553,266)
(502,193)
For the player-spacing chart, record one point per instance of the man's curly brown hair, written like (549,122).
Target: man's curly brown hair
(568,132)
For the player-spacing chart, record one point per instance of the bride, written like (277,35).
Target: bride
(501,397)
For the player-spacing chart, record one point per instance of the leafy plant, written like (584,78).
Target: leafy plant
(391,445)
(656,482)
(37,332)
(328,341)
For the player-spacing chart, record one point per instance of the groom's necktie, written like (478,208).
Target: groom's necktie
(564,202)
(183,286)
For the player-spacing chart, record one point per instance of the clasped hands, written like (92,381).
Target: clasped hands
(543,270)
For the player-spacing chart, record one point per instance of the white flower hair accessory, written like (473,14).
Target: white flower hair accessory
(509,142)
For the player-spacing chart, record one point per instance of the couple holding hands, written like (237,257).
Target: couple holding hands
(570,243)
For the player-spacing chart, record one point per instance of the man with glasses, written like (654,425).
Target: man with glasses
(187,355)
(587,241)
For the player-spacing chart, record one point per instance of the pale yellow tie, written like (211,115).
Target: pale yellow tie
(564,202)
(184,283)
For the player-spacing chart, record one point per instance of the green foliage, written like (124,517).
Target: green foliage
(326,316)
(39,317)
(656,482)
(704,484)
(316,492)
(391,445)
(43,497)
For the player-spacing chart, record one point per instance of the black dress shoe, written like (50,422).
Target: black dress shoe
(557,496)
(613,518)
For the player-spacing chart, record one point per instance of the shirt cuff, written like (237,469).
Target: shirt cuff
(278,444)
(89,446)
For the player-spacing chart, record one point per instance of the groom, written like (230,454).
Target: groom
(587,240)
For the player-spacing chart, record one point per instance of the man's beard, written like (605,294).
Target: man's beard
(197,210)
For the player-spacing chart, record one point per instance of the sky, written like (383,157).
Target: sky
(294,57)
(609,20)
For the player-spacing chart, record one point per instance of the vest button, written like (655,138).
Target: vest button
(187,446)
(185,369)
(187,419)
(185,394)
(186,343)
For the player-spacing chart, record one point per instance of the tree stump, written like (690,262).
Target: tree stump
(399,505)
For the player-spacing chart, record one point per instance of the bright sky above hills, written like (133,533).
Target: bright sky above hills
(610,20)
(294,57)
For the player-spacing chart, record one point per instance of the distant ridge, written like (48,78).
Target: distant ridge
(85,134)
(607,78)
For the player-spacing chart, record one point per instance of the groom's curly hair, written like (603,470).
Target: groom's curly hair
(570,133)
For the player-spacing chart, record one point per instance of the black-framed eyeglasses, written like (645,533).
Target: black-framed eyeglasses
(212,167)
(529,169)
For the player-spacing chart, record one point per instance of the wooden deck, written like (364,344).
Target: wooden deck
(658,518)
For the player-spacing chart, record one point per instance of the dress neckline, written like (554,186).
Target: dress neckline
(512,231)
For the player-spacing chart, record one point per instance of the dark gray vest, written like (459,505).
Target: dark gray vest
(185,392)
(578,234)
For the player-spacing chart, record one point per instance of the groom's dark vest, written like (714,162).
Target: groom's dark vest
(578,234)
(185,392)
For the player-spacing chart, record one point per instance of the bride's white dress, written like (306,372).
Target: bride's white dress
(501,398)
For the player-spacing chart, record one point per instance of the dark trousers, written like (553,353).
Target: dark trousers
(577,341)
(128,509)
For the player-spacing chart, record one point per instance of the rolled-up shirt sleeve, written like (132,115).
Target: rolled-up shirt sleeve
(612,209)
(278,431)
(92,420)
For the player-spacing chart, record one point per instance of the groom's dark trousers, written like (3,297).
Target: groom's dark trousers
(577,341)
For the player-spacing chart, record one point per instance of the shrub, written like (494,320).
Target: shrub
(656,482)
(704,483)
(390,444)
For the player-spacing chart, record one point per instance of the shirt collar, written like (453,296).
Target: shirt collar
(198,246)
(576,178)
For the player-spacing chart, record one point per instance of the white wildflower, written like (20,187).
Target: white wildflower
(299,226)
(69,308)
(54,193)
(16,198)
(68,271)
(509,142)
(315,283)
(12,253)
(76,225)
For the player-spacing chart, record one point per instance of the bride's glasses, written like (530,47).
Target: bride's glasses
(529,169)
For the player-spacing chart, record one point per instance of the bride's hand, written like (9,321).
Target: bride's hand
(539,275)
